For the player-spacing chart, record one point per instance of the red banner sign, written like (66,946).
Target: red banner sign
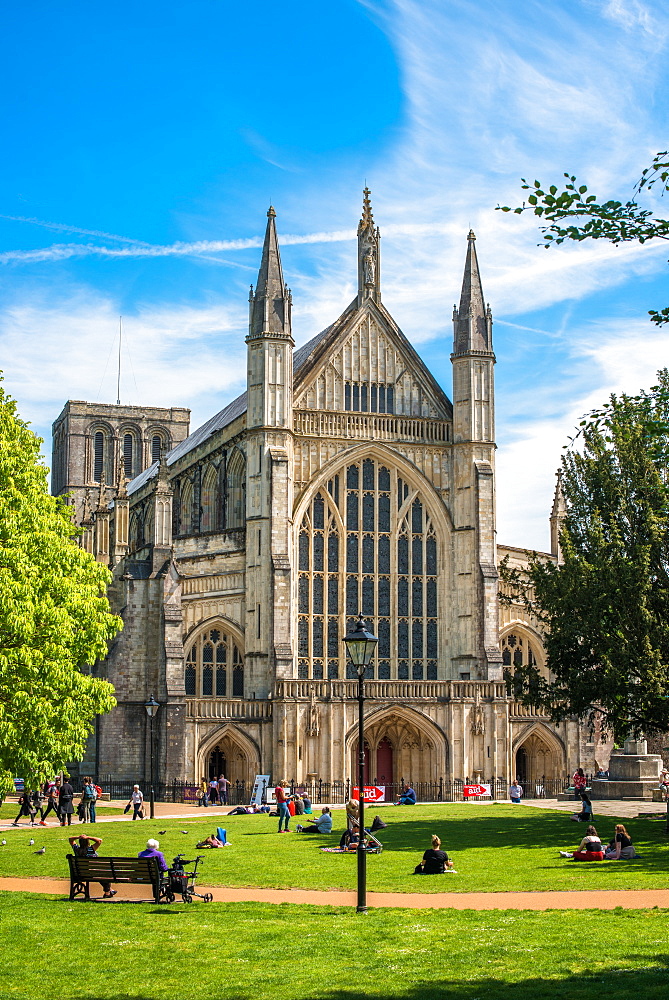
(372,793)
(471,790)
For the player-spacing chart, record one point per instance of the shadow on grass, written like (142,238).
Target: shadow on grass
(651,983)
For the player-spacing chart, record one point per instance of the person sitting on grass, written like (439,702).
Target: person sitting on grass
(87,847)
(151,851)
(590,848)
(407,798)
(323,824)
(350,837)
(435,861)
(585,815)
(620,848)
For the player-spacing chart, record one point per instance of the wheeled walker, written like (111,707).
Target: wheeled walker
(180,882)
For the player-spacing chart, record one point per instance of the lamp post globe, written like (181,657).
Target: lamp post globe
(360,645)
(152,707)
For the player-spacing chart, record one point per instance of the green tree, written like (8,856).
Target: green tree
(575,214)
(605,609)
(54,618)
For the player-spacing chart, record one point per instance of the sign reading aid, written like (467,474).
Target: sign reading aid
(469,791)
(372,793)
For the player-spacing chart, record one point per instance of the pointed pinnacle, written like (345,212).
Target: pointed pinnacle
(367,217)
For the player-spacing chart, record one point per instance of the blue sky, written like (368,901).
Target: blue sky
(144,142)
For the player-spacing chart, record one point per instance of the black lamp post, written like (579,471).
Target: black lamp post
(360,646)
(152,707)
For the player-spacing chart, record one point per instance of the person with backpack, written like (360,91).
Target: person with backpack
(52,802)
(89,797)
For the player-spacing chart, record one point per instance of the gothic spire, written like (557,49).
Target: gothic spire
(270,303)
(369,255)
(472,321)
(558,514)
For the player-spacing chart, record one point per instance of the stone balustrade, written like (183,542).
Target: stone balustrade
(519,711)
(227,708)
(370,426)
(391,690)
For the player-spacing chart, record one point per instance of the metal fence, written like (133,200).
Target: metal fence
(339,792)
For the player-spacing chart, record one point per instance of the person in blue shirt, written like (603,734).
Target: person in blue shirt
(407,798)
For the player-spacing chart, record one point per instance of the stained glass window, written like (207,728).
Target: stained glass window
(383,563)
(207,660)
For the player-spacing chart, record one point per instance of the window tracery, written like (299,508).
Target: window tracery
(214,666)
(367,543)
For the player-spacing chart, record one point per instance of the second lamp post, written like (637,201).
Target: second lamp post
(360,646)
(151,707)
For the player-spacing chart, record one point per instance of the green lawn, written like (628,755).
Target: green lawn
(252,951)
(495,848)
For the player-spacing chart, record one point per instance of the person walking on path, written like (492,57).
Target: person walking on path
(203,793)
(282,805)
(213,791)
(137,802)
(65,797)
(26,808)
(52,802)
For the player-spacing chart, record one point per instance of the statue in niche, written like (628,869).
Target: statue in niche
(478,719)
(314,725)
(369,266)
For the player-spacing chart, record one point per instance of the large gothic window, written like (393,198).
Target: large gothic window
(367,544)
(214,666)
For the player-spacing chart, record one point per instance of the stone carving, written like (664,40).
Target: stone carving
(314,722)
(477,719)
(369,266)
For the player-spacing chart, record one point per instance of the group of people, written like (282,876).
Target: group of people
(58,796)
(213,792)
(620,848)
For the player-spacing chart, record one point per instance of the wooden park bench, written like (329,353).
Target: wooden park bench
(139,871)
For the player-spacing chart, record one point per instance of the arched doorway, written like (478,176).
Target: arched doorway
(539,756)
(400,745)
(231,753)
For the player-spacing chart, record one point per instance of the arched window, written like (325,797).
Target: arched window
(367,543)
(186,509)
(129,456)
(156,447)
(208,500)
(99,455)
(517,649)
(235,513)
(208,660)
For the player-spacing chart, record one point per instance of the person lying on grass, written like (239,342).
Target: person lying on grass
(323,824)
(435,861)
(620,848)
(590,848)
(210,841)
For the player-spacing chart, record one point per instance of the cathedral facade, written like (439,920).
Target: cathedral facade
(343,480)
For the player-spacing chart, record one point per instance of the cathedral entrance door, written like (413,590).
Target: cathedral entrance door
(217,763)
(384,762)
(521,765)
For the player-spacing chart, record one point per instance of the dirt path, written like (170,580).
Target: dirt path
(606,899)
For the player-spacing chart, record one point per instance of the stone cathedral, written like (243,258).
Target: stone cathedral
(343,480)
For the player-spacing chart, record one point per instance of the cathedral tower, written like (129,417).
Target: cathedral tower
(474,459)
(269,477)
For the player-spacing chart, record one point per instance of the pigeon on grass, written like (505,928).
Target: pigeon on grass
(42,850)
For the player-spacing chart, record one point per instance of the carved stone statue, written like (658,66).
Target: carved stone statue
(314,725)
(369,266)
(477,716)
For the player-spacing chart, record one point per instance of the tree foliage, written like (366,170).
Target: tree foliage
(54,618)
(605,609)
(575,214)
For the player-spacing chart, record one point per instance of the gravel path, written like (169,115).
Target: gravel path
(606,899)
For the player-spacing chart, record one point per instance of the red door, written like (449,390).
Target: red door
(384,763)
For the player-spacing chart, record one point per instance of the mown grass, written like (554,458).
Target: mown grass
(495,848)
(253,951)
